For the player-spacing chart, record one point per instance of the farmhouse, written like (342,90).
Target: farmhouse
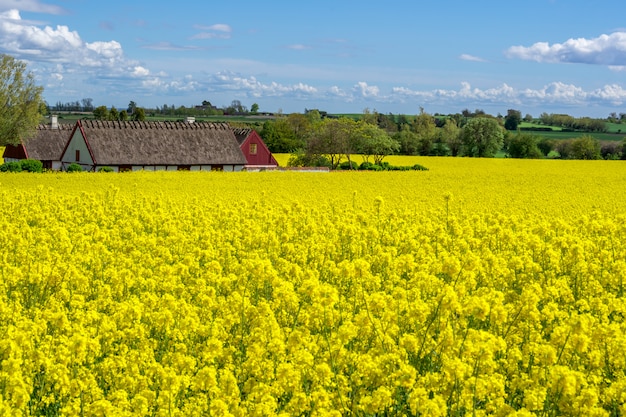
(256,152)
(46,146)
(154,146)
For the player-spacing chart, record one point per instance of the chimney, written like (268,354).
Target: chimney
(54,121)
(190,119)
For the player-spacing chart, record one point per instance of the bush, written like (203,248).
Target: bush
(368,166)
(348,165)
(418,167)
(74,167)
(31,165)
(106,169)
(301,159)
(11,167)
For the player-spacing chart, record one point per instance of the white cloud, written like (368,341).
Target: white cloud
(217,31)
(556,93)
(364,90)
(298,47)
(27,41)
(252,87)
(140,71)
(30,6)
(603,50)
(472,58)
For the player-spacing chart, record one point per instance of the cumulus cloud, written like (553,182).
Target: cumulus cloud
(230,81)
(555,93)
(27,41)
(603,50)
(364,90)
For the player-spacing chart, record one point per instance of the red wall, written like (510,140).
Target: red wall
(263,155)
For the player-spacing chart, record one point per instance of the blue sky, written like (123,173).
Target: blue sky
(554,56)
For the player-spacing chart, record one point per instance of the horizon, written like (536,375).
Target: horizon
(442,57)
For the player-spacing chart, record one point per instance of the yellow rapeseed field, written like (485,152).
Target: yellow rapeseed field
(479,287)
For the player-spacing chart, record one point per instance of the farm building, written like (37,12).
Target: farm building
(256,152)
(46,146)
(155,146)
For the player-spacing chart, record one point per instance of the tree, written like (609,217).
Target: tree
(513,119)
(425,128)
(139,114)
(546,146)
(101,113)
(333,138)
(374,141)
(408,140)
(586,147)
(114,114)
(449,138)
(132,106)
(87,104)
(523,145)
(280,137)
(482,137)
(20,101)
(254,109)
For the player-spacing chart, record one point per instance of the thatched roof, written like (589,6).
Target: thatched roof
(46,145)
(161,143)
(242,134)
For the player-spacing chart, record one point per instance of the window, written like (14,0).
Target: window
(77,155)
(253,149)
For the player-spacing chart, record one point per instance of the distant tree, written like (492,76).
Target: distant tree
(449,135)
(408,141)
(375,142)
(523,145)
(611,150)
(425,128)
(139,114)
(123,116)
(235,108)
(101,113)
(513,119)
(280,136)
(21,101)
(334,139)
(586,147)
(482,137)
(564,148)
(254,109)
(132,106)
(546,146)
(87,104)
(528,118)
(114,114)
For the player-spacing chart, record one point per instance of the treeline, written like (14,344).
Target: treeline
(316,140)
(567,122)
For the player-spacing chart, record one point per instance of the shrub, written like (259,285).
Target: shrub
(368,166)
(348,165)
(31,165)
(11,167)
(106,169)
(418,167)
(74,167)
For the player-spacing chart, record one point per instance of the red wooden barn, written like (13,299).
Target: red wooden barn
(254,149)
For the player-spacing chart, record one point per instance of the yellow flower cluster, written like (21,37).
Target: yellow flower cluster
(482,287)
